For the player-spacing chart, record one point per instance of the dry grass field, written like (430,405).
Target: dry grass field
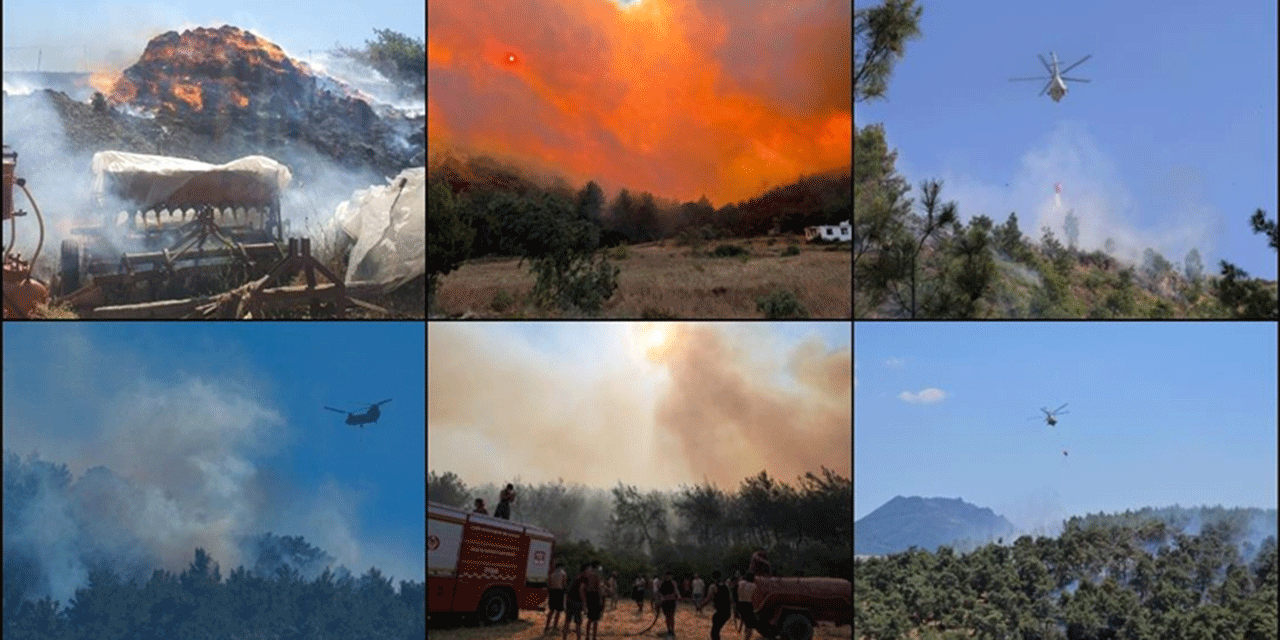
(618,623)
(663,280)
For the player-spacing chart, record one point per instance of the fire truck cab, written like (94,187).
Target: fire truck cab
(484,565)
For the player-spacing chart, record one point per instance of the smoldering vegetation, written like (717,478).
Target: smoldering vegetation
(807,526)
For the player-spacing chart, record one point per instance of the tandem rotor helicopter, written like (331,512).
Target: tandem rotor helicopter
(1057,83)
(355,418)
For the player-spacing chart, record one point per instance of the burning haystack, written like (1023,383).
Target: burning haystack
(227,80)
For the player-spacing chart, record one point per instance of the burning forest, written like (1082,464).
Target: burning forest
(220,96)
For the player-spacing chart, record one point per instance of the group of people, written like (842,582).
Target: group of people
(505,499)
(730,598)
(587,591)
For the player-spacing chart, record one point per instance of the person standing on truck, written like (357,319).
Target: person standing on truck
(505,499)
(573,600)
(760,563)
(591,589)
(718,594)
(555,588)
(670,593)
(747,589)
(480,508)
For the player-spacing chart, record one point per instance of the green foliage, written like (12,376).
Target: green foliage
(1131,575)
(791,250)
(448,237)
(574,282)
(502,301)
(729,251)
(882,32)
(1008,239)
(1244,298)
(398,57)
(779,305)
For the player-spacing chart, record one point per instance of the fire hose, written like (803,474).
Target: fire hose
(13,227)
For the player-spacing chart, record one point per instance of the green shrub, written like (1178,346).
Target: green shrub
(780,305)
(620,252)
(502,301)
(792,250)
(729,251)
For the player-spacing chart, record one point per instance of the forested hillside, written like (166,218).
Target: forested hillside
(499,202)
(1130,575)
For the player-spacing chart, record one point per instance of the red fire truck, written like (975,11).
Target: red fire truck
(485,565)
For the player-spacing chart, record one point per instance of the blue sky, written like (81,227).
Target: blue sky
(1172,144)
(228,417)
(120,30)
(1159,413)
(654,405)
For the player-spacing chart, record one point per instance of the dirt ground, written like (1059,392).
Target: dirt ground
(670,281)
(617,623)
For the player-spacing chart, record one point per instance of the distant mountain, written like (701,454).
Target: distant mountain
(926,523)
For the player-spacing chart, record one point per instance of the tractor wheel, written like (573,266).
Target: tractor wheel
(796,626)
(70,266)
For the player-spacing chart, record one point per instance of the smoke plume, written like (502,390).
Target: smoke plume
(676,97)
(134,471)
(713,402)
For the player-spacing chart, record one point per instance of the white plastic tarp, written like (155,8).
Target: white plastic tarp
(389,224)
(180,169)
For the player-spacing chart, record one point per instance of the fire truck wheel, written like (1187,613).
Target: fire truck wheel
(796,626)
(495,607)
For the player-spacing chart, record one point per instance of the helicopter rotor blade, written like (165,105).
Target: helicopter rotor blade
(1064,406)
(383,402)
(1045,63)
(1075,79)
(1035,78)
(337,410)
(1076,64)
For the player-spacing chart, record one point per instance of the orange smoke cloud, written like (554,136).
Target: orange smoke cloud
(676,97)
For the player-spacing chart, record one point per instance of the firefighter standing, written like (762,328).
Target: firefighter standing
(505,499)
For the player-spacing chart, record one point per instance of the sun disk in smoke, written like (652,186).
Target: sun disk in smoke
(654,339)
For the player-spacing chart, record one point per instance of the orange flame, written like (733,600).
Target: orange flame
(676,97)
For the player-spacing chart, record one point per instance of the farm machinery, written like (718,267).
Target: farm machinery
(169,227)
(22,292)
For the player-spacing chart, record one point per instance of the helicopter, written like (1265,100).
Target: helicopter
(1057,83)
(1051,417)
(355,418)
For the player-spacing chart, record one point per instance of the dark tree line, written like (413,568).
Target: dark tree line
(494,201)
(808,527)
(1133,576)
(198,603)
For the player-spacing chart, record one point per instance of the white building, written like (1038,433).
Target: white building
(842,232)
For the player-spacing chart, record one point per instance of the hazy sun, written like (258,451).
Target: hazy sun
(654,339)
